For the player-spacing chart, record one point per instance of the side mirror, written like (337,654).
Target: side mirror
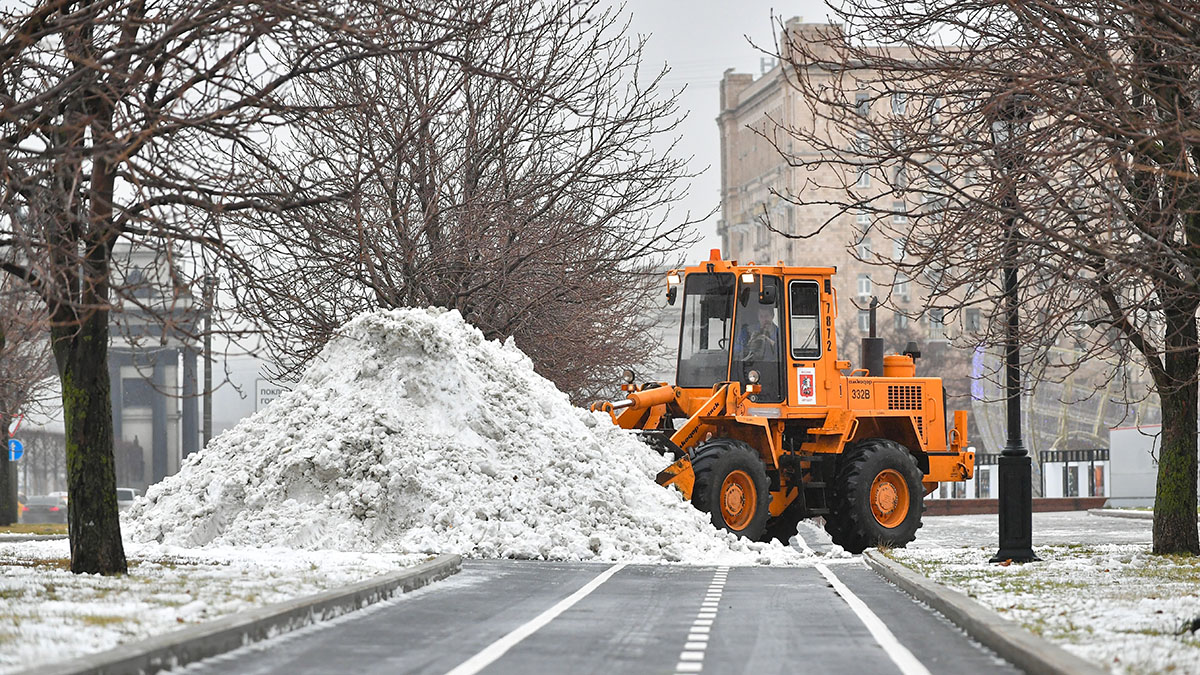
(671,294)
(768,295)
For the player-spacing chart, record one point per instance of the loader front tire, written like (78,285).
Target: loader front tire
(877,497)
(732,487)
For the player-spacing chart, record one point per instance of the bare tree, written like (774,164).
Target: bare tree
(520,187)
(25,375)
(1059,137)
(138,123)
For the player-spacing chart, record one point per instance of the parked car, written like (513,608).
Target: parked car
(125,497)
(44,509)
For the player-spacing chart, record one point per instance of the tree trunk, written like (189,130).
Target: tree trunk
(1175,495)
(8,479)
(81,353)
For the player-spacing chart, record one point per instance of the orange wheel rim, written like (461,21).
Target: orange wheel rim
(738,500)
(889,498)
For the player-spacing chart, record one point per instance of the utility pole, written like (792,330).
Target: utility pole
(206,423)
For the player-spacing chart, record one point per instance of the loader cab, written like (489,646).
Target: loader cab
(733,329)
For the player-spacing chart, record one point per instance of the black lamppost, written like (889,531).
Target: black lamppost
(1009,123)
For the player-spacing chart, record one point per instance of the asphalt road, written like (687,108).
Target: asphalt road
(535,617)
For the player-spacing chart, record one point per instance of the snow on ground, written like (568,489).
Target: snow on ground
(412,433)
(49,614)
(1097,591)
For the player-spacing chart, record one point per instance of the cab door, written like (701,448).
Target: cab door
(758,342)
(806,341)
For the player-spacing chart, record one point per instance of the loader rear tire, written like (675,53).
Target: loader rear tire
(732,487)
(877,497)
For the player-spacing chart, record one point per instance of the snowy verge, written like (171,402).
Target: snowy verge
(1113,604)
(413,433)
(49,614)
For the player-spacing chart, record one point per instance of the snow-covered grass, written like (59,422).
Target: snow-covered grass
(49,614)
(1098,591)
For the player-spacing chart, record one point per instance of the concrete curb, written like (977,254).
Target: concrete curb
(180,647)
(1122,513)
(1023,649)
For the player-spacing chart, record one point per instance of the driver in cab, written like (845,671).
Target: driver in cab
(758,342)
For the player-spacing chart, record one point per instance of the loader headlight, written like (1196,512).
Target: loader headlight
(752,377)
(673,279)
(627,376)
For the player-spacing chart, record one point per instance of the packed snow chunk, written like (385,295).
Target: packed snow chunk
(412,433)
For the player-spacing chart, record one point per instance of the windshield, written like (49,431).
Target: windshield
(704,335)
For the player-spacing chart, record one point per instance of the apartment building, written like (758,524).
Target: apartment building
(755,180)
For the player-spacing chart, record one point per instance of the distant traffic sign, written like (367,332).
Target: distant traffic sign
(15,450)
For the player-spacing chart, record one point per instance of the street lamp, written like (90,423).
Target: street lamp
(1010,122)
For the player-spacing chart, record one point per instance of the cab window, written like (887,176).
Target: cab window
(805,320)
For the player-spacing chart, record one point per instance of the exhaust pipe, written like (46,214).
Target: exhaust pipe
(871,354)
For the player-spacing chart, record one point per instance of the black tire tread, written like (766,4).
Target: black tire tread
(705,459)
(847,523)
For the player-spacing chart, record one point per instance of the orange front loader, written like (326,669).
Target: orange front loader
(767,425)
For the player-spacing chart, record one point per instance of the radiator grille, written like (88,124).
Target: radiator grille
(904,397)
(921,427)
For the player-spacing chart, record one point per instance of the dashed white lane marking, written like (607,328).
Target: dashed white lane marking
(691,659)
(497,649)
(898,653)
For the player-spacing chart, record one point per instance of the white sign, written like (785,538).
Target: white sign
(266,391)
(806,386)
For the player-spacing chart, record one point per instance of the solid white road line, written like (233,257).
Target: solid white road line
(898,653)
(497,649)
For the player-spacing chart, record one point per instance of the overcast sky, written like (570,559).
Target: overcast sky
(698,41)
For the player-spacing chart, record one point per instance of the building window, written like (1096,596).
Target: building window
(864,178)
(864,285)
(862,217)
(864,249)
(136,392)
(862,142)
(864,320)
(899,103)
(899,213)
(984,487)
(862,103)
(899,178)
(898,249)
(901,288)
(901,320)
(937,323)
(1071,481)
(972,320)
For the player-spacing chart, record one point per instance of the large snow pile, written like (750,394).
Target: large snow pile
(412,432)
